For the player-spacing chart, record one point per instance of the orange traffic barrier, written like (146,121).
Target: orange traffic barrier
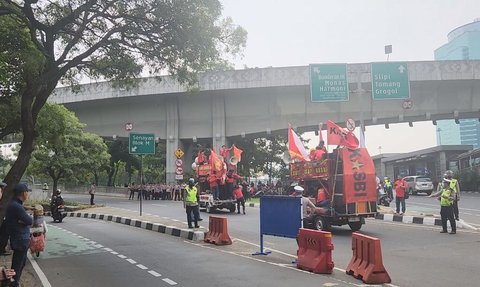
(315,251)
(367,262)
(217,231)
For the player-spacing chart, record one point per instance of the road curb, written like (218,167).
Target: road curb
(148,225)
(432,221)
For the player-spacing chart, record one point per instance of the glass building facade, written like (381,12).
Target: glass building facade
(463,44)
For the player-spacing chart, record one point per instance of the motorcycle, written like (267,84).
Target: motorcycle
(383,198)
(57,207)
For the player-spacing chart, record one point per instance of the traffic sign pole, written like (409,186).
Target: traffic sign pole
(141,181)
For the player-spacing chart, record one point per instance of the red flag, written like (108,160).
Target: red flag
(295,146)
(336,135)
(237,153)
(216,162)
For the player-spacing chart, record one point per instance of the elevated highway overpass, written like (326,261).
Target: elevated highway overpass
(253,102)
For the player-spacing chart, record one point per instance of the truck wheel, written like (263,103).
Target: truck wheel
(232,208)
(319,223)
(429,192)
(355,226)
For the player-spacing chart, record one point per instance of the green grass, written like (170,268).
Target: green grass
(253,200)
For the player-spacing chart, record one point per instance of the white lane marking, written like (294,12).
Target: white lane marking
(143,267)
(41,275)
(98,245)
(114,253)
(132,261)
(156,274)
(169,281)
(271,263)
(122,256)
(92,242)
(107,249)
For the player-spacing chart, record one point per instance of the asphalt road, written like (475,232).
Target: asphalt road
(96,253)
(412,254)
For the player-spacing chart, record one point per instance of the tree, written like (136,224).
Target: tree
(118,151)
(64,149)
(113,40)
(19,59)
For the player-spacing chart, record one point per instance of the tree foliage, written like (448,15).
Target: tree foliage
(113,40)
(64,150)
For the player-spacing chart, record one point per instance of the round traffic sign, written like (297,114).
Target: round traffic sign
(128,126)
(179,170)
(350,123)
(178,162)
(407,104)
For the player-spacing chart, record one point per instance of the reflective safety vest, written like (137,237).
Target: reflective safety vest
(453,185)
(191,194)
(445,198)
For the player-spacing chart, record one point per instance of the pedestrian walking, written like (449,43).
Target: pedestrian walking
(91,191)
(400,191)
(190,204)
(3,228)
(18,225)
(456,192)
(447,198)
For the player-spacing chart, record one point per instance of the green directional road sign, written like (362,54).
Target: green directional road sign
(390,81)
(328,82)
(141,143)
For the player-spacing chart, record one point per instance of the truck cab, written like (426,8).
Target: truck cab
(348,176)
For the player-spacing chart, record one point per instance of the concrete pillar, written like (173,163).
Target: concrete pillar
(443,162)
(218,122)
(173,143)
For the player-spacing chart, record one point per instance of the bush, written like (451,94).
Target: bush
(469,180)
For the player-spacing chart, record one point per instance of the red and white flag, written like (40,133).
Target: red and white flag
(295,146)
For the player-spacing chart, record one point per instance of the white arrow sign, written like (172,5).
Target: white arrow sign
(401,69)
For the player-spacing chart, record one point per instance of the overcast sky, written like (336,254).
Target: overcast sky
(301,32)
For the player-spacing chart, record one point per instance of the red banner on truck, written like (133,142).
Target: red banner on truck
(310,169)
(358,176)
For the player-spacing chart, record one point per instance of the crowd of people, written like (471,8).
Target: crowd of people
(156,191)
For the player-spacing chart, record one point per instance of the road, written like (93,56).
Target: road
(96,253)
(412,254)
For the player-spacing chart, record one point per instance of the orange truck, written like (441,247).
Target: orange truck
(348,177)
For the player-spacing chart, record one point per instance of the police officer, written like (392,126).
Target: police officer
(456,189)
(388,187)
(190,203)
(447,198)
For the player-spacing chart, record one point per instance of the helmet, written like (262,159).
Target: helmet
(449,173)
(59,191)
(191,180)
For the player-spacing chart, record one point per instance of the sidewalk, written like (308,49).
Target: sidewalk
(29,276)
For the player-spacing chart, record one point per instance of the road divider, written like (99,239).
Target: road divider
(193,235)
(367,263)
(315,251)
(218,231)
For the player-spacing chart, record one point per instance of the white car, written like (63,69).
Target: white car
(418,184)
